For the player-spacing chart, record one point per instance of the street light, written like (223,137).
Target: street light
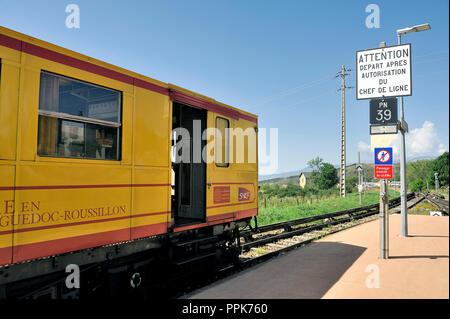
(417,28)
(404,216)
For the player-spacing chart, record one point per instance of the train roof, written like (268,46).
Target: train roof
(31,45)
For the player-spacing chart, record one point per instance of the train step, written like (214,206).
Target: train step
(185,261)
(195,241)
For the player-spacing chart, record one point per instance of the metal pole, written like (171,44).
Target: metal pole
(381,219)
(384,220)
(404,212)
(436,182)
(343,161)
(359,181)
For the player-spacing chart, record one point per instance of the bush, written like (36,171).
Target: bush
(418,185)
(440,165)
(351,184)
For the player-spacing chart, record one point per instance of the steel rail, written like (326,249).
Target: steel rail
(334,219)
(243,264)
(439,203)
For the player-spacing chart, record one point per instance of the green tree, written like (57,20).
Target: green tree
(315,164)
(418,185)
(439,165)
(351,183)
(323,175)
(327,177)
(418,170)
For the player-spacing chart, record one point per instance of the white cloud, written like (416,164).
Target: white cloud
(422,141)
(364,147)
(441,149)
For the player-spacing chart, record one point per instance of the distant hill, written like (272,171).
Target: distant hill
(351,171)
(292,177)
(420,158)
(281,180)
(281,175)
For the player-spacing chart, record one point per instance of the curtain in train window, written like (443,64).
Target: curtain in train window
(222,142)
(78,119)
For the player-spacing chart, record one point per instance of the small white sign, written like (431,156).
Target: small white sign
(383,72)
(435,213)
(383,129)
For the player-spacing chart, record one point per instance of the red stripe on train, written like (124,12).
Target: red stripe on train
(149,230)
(75,63)
(10,42)
(220,218)
(104,220)
(5,255)
(21,188)
(64,245)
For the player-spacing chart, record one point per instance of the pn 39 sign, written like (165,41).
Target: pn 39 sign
(383,111)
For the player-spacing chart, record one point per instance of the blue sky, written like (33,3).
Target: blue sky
(276,59)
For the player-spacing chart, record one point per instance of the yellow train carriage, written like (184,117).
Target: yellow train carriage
(92,154)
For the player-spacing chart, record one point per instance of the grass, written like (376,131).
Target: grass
(291,210)
(423,208)
(442,191)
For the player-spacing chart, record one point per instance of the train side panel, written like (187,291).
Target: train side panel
(233,188)
(67,207)
(9,99)
(66,204)
(151,204)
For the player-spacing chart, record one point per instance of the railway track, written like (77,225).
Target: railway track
(275,232)
(438,202)
(278,238)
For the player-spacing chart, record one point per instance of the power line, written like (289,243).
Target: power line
(293,90)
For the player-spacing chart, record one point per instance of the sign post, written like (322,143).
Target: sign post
(386,72)
(383,170)
(384,219)
(359,168)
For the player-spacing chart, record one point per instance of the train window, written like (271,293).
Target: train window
(222,142)
(78,119)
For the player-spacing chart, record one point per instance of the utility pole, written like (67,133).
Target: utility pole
(342,74)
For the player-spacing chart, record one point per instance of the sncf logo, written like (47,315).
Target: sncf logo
(244,194)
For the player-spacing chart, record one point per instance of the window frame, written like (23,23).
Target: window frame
(227,145)
(84,120)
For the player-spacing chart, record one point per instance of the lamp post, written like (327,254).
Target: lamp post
(404,216)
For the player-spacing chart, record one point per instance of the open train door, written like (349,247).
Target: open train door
(188,168)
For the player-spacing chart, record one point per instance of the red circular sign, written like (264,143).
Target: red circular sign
(383,156)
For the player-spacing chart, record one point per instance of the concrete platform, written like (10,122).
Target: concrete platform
(346,265)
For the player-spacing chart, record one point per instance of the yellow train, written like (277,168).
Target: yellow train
(94,155)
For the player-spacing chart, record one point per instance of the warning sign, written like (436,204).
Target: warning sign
(383,172)
(383,156)
(383,163)
(383,72)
